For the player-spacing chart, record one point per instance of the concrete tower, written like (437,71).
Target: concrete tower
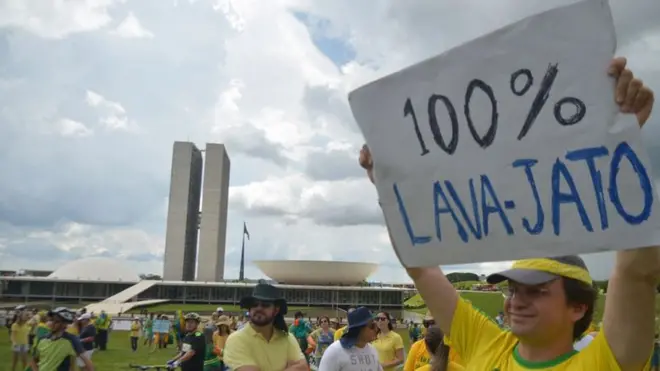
(213,226)
(183,213)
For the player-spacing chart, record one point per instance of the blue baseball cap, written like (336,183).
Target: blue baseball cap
(357,319)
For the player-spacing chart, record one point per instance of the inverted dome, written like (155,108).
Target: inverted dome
(96,269)
(312,272)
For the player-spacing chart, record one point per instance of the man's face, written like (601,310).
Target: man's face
(262,313)
(368,333)
(540,311)
(191,325)
(57,325)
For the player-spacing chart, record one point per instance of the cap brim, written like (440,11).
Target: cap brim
(524,276)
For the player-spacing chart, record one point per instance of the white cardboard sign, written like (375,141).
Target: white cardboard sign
(508,147)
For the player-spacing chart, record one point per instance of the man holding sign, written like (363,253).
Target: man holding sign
(575,147)
(550,301)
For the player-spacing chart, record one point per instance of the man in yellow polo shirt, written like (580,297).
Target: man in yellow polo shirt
(265,343)
(550,301)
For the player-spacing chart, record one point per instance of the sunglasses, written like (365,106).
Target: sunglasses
(324,321)
(381,319)
(428,323)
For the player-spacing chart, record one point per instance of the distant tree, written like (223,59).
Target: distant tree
(462,277)
(150,276)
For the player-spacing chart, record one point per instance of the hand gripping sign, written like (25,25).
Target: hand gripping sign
(509,147)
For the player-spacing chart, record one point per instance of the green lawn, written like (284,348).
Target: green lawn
(119,353)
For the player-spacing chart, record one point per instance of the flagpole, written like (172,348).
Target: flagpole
(241,274)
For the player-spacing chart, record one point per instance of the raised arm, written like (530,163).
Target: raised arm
(438,293)
(629,321)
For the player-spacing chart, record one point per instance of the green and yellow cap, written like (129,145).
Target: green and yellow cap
(542,270)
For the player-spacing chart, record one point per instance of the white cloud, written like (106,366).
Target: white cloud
(112,115)
(130,28)
(250,74)
(70,128)
(55,19)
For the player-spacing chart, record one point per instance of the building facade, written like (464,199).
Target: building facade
(213,225)
(49,291)
(183,213)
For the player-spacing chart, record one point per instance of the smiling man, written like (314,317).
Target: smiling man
(265,344)
(550,301)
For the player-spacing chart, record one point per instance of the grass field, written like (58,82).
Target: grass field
(119,353)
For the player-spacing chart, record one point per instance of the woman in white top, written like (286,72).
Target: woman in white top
(352,352)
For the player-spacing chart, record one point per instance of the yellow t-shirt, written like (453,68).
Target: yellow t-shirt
(418,356)
(19,333)
(73,329)
(387,346)
(135,330)
(339,333)
(483,346)
(246,347)
(452,366)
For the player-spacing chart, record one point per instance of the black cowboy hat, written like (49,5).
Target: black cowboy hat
(264,292)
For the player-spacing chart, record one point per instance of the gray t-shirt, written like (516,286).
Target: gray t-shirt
(337,358)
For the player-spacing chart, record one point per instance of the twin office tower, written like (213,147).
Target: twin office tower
(184,219)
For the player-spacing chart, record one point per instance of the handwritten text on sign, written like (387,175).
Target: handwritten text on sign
(507,147)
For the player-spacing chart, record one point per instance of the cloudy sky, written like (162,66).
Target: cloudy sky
(94,92)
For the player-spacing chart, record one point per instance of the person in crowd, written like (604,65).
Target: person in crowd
(300,330)
(87,336)
(179,328)
(414,333)
(33,322)
(20,331)
(212,361)
(135,334)
(14,317)
(320,339)
(59,350)
(265,343)
(340,332)
(353,351)
(388,343)
(499,319)
(439,351)
(221,335)
(43,329)
(550,301)
(193,346)
(148,330)
(418,354)
(103,323)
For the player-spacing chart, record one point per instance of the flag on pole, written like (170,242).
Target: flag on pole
(245,231)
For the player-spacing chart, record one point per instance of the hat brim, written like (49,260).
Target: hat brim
(248,301)
(524,276)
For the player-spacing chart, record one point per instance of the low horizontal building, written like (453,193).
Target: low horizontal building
(110,283)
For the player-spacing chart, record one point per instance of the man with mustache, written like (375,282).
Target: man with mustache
(264,344)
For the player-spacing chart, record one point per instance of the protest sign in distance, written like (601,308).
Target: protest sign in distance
(510,146)
(161,326)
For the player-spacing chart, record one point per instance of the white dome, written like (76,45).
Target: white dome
(96,269)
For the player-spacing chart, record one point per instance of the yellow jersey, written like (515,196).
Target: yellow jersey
(19,333)
(418,356)
(387,347)
(483,346)
(339,333)
(451,366)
